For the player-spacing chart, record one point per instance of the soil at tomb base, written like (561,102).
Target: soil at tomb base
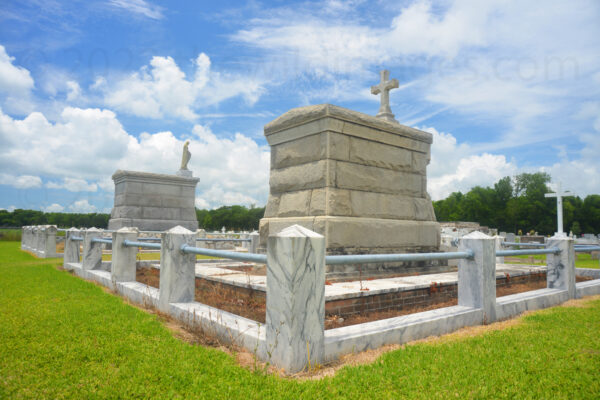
(251,304)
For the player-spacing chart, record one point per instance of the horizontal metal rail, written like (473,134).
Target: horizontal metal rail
(131,243)
(221,240)
(251,257)
(142,239)
(374,258)
(527,252)
(587,248)
(101,240)
(523,244)
(77,238)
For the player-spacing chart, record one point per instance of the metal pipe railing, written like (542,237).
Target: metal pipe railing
(523,244)
(251,257)
(587,248)
(132,243)
(374,258)
(530,252)
(77,238)
(101,240)
(221,240)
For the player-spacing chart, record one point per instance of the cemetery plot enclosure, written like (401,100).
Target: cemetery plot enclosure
(296,294)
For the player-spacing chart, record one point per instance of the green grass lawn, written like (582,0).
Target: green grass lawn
(62,337)
(583,260)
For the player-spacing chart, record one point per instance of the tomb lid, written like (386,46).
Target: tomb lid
(302,115)
(149,176)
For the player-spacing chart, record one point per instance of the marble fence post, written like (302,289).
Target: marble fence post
(123,265)
(498,245)
(50,241)
(295,298)
(92,252)
(28,237)
(200,234)
(477,276)
(37,247)
(245,245)
(561,266)
(177,269)
(71,253)
(23,237)
(254,240)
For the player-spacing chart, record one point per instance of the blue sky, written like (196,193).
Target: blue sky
(89,87)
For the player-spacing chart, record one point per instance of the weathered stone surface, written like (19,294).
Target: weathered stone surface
(295,298)
(318,202)
(294,204)
(373,179)
(306,176)
(328,162)
(153,201)
(358,234)
(379,155)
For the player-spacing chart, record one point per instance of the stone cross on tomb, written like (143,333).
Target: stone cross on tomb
(383,88)
(559,209)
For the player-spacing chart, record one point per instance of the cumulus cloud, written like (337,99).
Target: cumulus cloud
(54,207)
(80,153)
(162,89)
(82,206)
(455,168)
(16,85)
(73,185)
(21,181)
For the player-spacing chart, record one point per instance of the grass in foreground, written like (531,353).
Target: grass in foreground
(62,337)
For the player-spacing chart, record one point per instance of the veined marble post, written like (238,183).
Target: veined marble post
(177,269)
(50,241)
(71,252)
(295,298)
(123,265)
(92,252)
(498,245)
(477,276)
(23,238)
(245,245)
(561,266)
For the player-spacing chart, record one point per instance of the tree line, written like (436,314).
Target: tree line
(231,217)
(518,204)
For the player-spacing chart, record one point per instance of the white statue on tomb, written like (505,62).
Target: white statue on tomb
(383,88)
(185,158)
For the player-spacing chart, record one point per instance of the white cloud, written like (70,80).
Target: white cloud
(16,85)
(82,151)
(82,206)
(54,207)
(162,89)
(73,185)
(455,168)
(139,7)
(10,208)
(21,181)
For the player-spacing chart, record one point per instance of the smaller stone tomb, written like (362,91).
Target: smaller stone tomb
(153,202)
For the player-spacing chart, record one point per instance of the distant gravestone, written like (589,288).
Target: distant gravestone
(155,202)
(510,237)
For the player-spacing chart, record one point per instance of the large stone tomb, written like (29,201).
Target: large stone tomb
(153,202)
(358,180)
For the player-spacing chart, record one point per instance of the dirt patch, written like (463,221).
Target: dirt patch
(148,275)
